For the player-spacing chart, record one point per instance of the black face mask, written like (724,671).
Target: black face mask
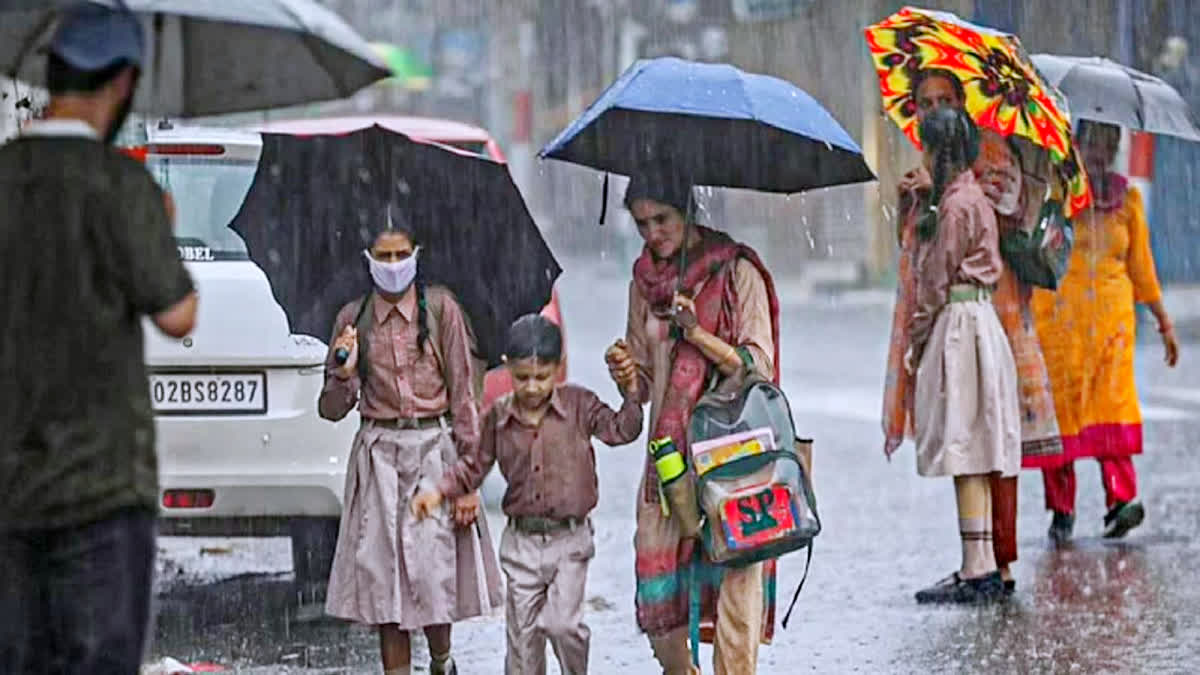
(118,120)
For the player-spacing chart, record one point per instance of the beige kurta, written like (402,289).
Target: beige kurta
(967,407)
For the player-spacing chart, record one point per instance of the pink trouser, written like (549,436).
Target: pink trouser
(1118,474)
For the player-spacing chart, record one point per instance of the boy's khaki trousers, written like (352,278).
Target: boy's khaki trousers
(546,576)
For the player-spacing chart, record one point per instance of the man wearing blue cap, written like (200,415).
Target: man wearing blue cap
(86,251)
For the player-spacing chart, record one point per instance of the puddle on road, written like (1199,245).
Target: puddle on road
(253,620)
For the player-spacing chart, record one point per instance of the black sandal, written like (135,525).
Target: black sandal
(954,589)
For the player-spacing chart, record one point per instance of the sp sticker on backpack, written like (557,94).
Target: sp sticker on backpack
(752,485)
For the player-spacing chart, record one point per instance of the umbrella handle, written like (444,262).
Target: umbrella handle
(683,249)
(676,331)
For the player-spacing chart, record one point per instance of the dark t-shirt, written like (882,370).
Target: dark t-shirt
(86,251)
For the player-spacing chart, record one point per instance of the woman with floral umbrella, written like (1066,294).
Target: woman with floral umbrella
(928,60)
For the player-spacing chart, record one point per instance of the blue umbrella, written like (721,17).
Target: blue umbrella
(715,124)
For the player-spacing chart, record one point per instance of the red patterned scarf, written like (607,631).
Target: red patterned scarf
(1108,191)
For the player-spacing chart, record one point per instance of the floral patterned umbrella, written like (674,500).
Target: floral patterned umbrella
(1004,90)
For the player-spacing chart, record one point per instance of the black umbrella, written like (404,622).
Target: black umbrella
(318,201)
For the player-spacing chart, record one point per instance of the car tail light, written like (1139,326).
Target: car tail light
(187,499)
(137,152)
(186,149)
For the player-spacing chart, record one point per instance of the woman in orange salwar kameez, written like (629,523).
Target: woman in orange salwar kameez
(1087,331)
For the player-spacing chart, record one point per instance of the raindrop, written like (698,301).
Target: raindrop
(273,257)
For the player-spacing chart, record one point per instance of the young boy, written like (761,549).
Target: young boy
(541,436)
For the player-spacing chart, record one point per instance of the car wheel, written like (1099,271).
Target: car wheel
(313,544)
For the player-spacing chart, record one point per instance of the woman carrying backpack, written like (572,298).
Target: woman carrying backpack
(722,316)
(966,405)
(409,371)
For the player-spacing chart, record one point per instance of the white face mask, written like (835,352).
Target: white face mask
(393,277)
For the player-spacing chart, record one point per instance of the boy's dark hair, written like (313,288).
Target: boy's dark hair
(953,139)
(63,78)
(534,336)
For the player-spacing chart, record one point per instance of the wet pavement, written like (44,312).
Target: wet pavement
(1095,607)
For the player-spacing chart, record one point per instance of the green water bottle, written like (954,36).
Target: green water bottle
(676,490)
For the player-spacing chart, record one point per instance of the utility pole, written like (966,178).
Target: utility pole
(1140,148)
(520,151)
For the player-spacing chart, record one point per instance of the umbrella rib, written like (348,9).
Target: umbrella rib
(1141,103)
(308,38)
(746,96)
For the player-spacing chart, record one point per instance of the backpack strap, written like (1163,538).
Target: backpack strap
(434,330)
(796,595)
(362,324)
(694,608)
(435,305)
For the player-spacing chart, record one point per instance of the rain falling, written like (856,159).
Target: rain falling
(900,301)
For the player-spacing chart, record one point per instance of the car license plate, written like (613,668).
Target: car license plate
(759,518)
(208,393)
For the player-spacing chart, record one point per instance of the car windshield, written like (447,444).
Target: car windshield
(208,193)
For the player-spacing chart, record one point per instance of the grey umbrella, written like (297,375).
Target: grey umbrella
(1106,91)
(208,57)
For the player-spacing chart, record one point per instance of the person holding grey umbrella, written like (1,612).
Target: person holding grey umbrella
(86,252)
(1087,330)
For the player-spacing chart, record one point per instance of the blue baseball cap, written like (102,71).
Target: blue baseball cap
(92,37)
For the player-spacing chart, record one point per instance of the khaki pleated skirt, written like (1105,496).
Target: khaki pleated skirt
(967,409)
(390,568)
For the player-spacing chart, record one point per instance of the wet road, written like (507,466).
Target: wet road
(1094,607)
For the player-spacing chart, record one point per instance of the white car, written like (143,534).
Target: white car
(242,451)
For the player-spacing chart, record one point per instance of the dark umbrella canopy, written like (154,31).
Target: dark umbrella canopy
(213,56)
(722,126)
(317,202)
(1106,91)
